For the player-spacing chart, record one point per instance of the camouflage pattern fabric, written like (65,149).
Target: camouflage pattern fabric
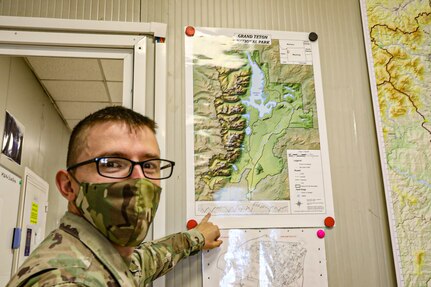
(160,256)
(122,211)
(76,254)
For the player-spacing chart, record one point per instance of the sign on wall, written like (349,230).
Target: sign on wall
(13,137)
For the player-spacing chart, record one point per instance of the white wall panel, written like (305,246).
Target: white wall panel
(358,248)
(109,10)
(154,11)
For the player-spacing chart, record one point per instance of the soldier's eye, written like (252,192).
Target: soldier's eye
(113,164)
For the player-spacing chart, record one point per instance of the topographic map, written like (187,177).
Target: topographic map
(268,257)
(259,115)
(254,124)
(398,36)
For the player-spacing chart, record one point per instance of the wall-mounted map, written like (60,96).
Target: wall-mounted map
(398,45)
(266,257)
(256,134)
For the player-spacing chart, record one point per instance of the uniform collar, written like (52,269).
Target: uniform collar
(100,246)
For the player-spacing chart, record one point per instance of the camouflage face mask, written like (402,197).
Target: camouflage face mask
(122,211)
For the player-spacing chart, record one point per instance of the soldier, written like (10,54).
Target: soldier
(112,185)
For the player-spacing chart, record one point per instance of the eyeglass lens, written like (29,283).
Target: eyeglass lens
(120,168)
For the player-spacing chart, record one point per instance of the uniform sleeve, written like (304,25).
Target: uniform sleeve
(155,258)
(57,278)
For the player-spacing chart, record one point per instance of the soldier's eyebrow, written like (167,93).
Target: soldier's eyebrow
(151,155)
(121,154)
(111,154)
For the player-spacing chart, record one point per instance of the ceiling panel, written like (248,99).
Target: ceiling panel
(79,110)
(51,68)
(81,91)
(115,91)
(113,69)
(72,123)
(79,86)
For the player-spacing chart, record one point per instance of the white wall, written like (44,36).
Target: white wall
(108,10)
(358,248)
(46,136)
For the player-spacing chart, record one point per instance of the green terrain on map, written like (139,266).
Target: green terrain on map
(401,48)
(240,153)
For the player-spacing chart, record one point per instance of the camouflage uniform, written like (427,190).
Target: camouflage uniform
(76,254)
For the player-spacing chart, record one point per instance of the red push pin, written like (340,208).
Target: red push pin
(329,221)
(190,31)
(191,224)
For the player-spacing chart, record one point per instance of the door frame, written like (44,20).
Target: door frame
(141,46)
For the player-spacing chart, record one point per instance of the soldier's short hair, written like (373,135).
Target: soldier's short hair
(119,114)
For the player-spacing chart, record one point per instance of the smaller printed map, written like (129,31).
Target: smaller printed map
(268,257)
(256,133)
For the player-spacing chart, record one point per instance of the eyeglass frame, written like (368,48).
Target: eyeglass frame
(96,160)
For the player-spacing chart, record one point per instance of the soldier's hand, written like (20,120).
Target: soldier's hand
(211,233)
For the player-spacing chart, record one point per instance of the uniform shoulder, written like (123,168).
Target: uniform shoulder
(67,277)
(59,257)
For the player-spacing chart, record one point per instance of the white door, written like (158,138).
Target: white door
(35,193)
(9,202)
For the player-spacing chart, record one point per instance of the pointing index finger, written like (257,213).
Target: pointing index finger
(206,218)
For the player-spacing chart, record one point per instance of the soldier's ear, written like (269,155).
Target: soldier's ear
(65,184)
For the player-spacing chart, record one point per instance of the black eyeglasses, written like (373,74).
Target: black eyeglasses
(118,167)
